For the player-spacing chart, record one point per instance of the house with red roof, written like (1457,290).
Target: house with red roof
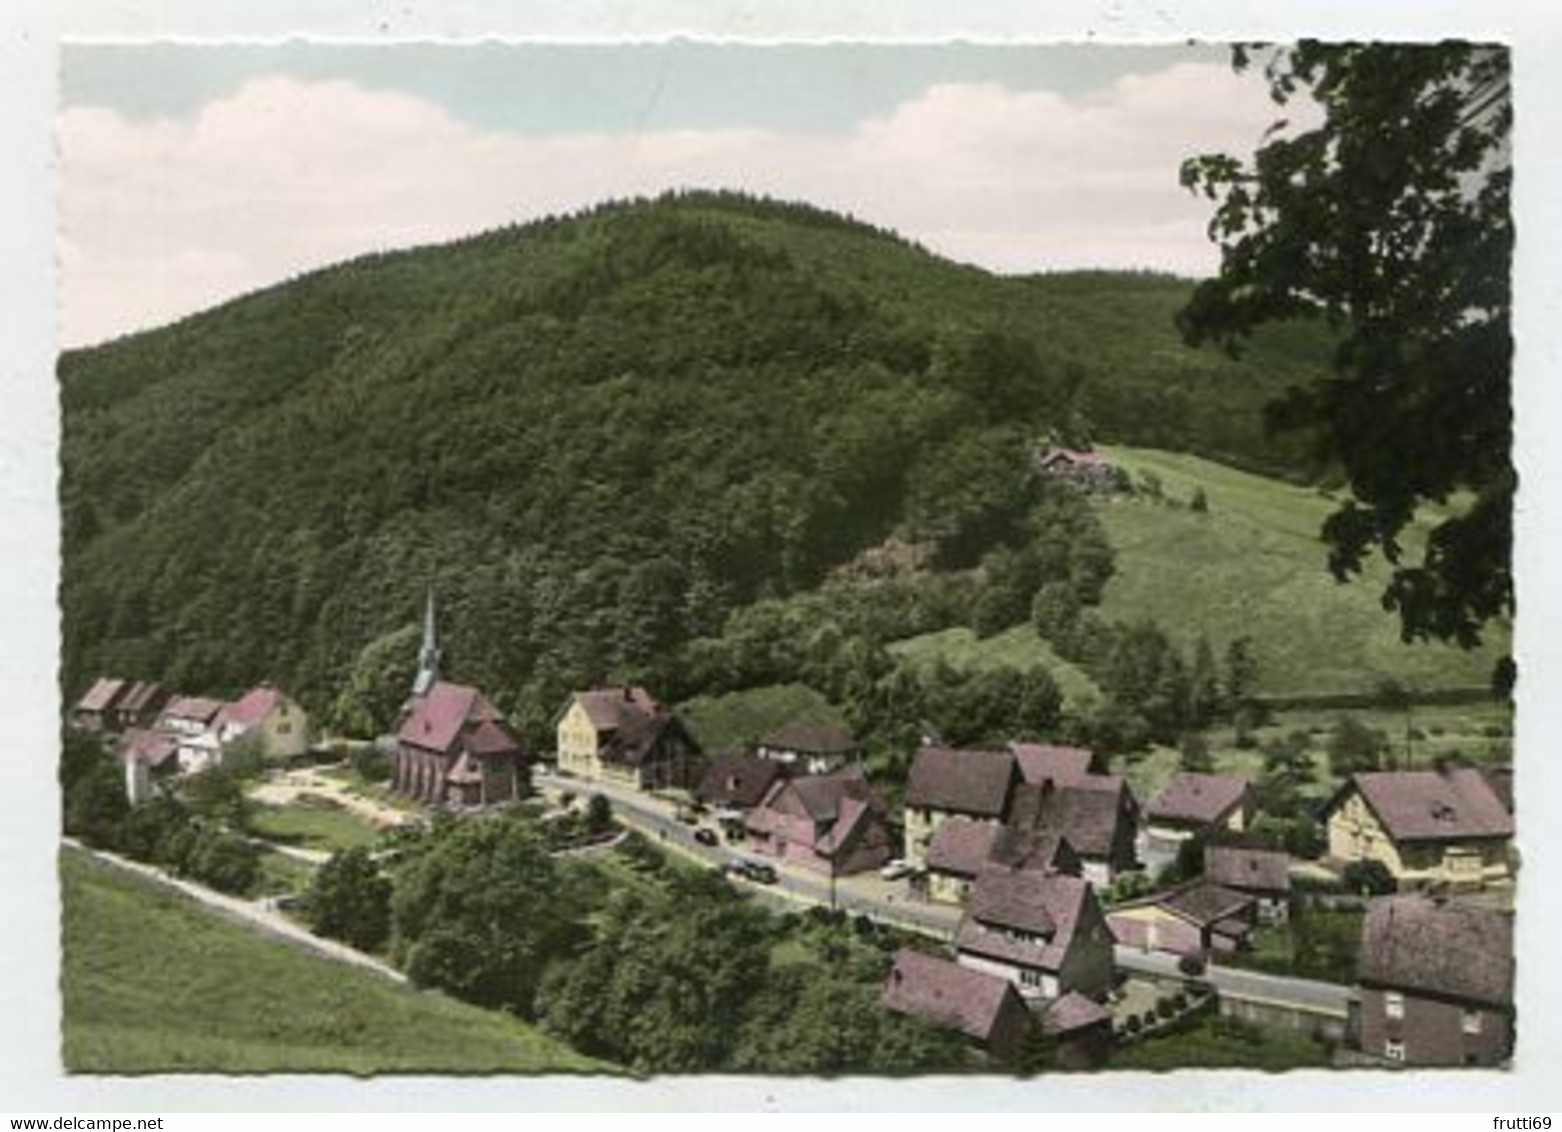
(1195,918)
(625,735)
(149,757)
(1263,874)
(947,782)
(1194,804)
(270,718)
(192,721)
(1426,826)
(454,749)
(1044,932)
(985,1008)
(735,782)
(1435,983)
(1083,468)
(1079,1030)
(1059,764)
(832,823)
(962,849)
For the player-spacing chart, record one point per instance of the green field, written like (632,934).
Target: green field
(312,827)
(155,983)
(1018,647)
(738,719)
(1254,566)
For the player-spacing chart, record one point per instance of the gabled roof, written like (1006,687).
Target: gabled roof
(947,994)
(1044,905)
(969,782)
(148,747)
(1204,798)
(452,712)
(141,696)
(811,739)
(101,696)
(1073,1011)
(1040,762)
(1089,813)
(250,708)
(1202,902)
(837,805)
(961,846)
(1418,944)
(1425,805)
(737,780)
(1255,870)
(198,709)
(610,709)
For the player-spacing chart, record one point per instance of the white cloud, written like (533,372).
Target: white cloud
(160,218)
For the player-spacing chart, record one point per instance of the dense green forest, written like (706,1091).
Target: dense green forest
(598,437)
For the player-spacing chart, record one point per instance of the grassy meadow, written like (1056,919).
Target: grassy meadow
(1254,566)
(738,719)
(155,983)
(1018,647)
(312,827)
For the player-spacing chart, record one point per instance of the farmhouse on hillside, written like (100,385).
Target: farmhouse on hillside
(810,748)
(625,735)
(1425,826)
(1435,983)
(270,718)
(1086,468)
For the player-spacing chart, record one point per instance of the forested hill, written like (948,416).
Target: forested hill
(595,436)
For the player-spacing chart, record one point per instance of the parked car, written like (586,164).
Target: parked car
(759,872)
(706,836)
(894,870)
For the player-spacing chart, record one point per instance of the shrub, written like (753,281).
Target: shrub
(1179,1001)
(370,765)
(1164,1007)
(1191,965)
(224,861)
(599,814)
(1133,1024)
(1370,878)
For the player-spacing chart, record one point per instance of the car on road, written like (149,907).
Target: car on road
(706,836)
(894,870)
(759,872)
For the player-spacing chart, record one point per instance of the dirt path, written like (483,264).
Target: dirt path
(294,784)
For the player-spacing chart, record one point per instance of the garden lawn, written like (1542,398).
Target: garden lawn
(1255,566)
(1212,1043)
(154,982)
(312,827)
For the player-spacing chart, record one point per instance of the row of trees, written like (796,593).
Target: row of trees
(673,974)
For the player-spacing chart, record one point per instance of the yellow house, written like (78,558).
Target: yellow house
(625,736)
(272,719)
(1424,826)
(946,783)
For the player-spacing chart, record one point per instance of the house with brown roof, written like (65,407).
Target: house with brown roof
(1194,804)
(1083,468)
(1044,932)
(962,848)
(985,1008)
(810,748)
(1263,874)
(269,718)
(192,720)
(735,781)
(1095,813)
(1195,918)
(832,823)
(1079,1030)
(1435,983)
(1057,763)
(92,713)
(625,735)
(1426,826)
(139,705)
(454,749)
(947,782)
(148,757)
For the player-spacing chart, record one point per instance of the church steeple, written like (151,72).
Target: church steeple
(428,654)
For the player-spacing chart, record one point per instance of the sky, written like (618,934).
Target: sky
(189,174)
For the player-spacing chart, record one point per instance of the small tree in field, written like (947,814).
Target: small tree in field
(351,901)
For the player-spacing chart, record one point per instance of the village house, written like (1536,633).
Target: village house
(1045,932)
(1095,814)
(93,712)
(625,735)
(453,749)
(963,847)
(191,720)
(1435,983)
(1194,804)
(1426,826)
(148,757)
(735,782)
(1082,468)
(270,719)
(1263,874)
(985,1008)
(1050,762)
(139,705)
(1079,1030)
(945,783)
(832,823)
(1196,918)
(810,748)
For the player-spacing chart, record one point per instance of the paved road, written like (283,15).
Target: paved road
(259,913)
(890,902)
